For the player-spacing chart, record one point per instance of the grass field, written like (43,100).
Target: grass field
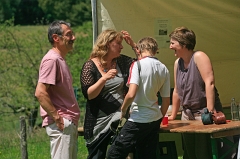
(37,141)
(37,146)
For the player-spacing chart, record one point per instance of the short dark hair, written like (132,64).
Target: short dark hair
(185,37)
(56,28)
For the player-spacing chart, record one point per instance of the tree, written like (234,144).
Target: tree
(8,9)
(20,55)
(29,9)
(75,11)
(29,12)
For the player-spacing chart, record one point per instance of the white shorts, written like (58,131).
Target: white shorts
(63,144)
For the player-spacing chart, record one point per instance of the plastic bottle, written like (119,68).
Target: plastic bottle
(234,110)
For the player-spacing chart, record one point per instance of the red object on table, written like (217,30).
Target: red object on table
(165,120)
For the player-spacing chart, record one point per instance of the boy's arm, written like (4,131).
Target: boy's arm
(129,98)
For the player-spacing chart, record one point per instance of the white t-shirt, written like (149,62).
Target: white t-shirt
(154,77)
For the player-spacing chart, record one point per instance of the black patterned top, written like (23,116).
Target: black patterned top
(107,101)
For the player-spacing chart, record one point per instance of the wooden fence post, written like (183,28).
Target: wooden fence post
(23,138)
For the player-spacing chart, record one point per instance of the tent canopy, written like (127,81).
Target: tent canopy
(216,24)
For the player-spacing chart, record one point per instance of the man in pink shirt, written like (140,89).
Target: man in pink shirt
(59,108)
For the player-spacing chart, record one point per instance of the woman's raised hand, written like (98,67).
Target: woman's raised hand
(127,37)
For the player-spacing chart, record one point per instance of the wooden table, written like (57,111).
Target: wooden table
(215,131)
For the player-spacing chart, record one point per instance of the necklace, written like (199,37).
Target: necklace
(106,69)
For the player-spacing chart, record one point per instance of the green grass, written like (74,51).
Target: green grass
(38,143)
(38,146)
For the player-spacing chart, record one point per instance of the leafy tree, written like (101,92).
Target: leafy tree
(19,65)
(75,11)
(28,12)
(8,9)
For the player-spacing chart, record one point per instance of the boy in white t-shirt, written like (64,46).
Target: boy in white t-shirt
(146,79)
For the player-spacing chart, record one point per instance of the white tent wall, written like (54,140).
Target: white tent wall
(216,24)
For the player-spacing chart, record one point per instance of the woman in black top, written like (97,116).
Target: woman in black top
(103,82)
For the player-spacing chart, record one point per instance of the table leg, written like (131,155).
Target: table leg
(225,140)
(232,145)
(214,148)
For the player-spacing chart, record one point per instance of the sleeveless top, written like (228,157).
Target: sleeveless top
(191,88)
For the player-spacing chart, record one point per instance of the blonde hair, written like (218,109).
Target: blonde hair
(100,48)
(149,44)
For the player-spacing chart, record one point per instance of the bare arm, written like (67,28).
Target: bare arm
(96,88)
(129,98)
(128,39)
(165,105)
(205,67)
(46,103)
(175,98)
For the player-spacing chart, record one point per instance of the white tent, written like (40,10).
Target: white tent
(216,24)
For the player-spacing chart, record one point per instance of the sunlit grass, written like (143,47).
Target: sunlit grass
(37,146)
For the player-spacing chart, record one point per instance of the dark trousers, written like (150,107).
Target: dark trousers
(97,150)
(142,136)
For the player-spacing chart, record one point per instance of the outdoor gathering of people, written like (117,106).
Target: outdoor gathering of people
(117,86)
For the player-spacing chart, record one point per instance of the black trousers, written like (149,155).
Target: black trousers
(142,136)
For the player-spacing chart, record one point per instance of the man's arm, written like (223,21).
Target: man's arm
(46,103)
